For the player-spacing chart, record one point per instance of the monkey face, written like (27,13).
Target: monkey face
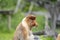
(31,21)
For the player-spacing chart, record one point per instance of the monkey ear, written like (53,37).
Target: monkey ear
(32,17)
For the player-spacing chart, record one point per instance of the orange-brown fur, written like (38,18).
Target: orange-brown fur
(24,31)
(58,37)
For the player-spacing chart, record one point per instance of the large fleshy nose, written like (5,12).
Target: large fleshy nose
(36,24)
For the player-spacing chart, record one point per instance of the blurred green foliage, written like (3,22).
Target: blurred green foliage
(6,36)
(45,38)
(16,19)
(7,4)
